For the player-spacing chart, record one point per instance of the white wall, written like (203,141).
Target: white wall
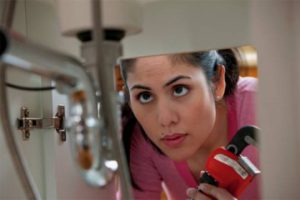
(275,32)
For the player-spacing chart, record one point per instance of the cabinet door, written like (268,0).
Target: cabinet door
(32,150)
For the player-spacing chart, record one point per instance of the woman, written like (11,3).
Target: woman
(184,106)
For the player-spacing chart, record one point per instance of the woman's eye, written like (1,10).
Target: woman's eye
(180,91)
(145,97)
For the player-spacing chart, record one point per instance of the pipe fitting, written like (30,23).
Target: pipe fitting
(84,126)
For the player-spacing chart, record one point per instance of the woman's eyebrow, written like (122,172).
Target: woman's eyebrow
(138,86)
(176,78)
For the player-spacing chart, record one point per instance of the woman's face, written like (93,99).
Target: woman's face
(174,104)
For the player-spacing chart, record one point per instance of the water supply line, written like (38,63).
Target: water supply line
(108,98)
(26,179)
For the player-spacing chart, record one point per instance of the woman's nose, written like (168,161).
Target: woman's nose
(167,114)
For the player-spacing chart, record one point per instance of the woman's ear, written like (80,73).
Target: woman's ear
(219,82)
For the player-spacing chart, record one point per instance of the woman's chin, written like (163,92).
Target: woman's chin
(177,157)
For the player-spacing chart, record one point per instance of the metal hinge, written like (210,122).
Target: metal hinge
(26,123)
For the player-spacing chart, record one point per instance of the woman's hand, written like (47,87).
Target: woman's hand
(209,192)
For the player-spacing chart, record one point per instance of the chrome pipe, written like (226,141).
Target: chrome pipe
(83,125)
(26,179)
(108,97)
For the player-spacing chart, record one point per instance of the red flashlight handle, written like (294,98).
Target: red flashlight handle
(223,170)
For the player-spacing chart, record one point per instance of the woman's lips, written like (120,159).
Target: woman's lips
(174,140)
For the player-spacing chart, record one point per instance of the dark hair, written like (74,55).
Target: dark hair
(232,70)
(209,61)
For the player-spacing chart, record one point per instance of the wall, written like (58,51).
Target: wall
(275,33)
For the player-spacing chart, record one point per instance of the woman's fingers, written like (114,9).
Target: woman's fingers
(191,192)
(194,194)
(216,192)
(208,192)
